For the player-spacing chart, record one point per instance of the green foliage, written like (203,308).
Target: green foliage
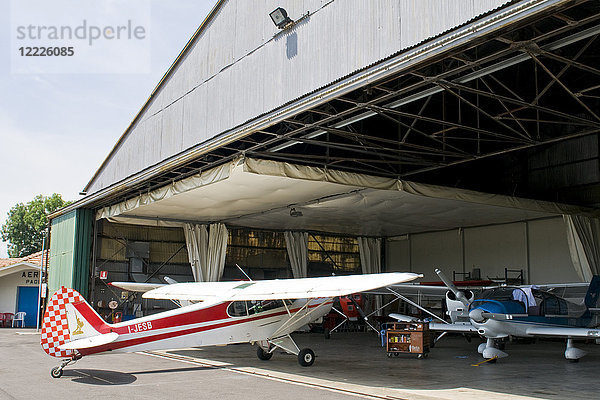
(26,224)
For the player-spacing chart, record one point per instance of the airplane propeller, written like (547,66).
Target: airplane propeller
(460,296)
(479,315)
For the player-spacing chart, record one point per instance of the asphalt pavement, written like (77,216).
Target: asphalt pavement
(349,365)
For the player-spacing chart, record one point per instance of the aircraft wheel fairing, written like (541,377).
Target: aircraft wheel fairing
(56,372)
(306,357)
(263,355)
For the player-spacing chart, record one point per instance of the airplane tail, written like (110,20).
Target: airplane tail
(68,317)
(593,292)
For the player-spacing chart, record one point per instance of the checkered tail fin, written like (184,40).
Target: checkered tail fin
(68,317)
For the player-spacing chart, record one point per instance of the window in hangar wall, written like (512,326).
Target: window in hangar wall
(137,253)
(263,255)
(333,254)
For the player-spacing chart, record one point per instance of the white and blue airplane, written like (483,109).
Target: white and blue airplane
(505,311)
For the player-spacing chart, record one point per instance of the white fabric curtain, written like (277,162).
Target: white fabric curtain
(206,250)
(370,254)
(297,248)
(217,250)
(370,261)
(196,239)
(583,236)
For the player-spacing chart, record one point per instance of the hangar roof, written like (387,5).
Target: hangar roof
(430,31)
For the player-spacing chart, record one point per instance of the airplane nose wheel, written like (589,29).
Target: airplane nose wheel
(306,357)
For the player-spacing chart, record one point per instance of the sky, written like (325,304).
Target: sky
(61,116)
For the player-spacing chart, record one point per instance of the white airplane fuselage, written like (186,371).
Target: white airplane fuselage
(204,324)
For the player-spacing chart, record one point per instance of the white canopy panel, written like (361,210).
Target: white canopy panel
(261,194)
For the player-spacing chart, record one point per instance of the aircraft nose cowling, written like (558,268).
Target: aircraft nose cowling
(476,315)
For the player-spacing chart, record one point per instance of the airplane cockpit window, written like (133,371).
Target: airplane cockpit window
(514,301)
(257,306)
(237,309)
(553,305)
(546,303)
(243,308)
(503,293)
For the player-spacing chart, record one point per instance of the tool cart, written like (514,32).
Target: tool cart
(407,337)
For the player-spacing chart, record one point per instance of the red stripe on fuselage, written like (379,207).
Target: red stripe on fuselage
(214,313)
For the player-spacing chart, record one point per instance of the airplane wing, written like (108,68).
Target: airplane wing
(136,286)
(413,289)
(564,332)
(457,327)
(331,286)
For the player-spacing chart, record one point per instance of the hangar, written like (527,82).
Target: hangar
(358,137)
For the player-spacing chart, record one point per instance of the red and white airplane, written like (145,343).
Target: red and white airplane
(258,312)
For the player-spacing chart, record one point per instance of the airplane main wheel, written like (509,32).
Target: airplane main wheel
(306,357)
(56,372)
(263,355)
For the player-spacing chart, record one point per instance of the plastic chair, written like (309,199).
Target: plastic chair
(6,319)
(20,316)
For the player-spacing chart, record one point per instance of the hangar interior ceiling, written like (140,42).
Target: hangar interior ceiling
(514,112)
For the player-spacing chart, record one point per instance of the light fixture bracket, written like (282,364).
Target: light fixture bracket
(280,18)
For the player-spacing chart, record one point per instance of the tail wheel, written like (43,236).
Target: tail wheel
(56,372)
(263,355)
(306,357)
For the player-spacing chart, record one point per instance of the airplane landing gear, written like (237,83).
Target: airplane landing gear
(489,351)
(573,354)
(306,357)
(57,372)
(262,354)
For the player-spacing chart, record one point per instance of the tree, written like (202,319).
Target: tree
(26,224)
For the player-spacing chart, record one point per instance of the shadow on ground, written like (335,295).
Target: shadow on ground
(104,377)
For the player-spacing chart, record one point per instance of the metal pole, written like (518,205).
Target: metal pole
(37,323)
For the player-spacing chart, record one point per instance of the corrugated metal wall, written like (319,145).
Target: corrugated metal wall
(70,245)
(241,66)
(61,252)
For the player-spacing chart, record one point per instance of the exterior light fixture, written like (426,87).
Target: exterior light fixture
(295,213)
(280,18)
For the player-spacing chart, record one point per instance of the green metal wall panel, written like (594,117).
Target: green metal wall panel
(70,246)
(62,243)
(81,254)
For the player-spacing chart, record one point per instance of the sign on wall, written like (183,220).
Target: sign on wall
(30,277)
